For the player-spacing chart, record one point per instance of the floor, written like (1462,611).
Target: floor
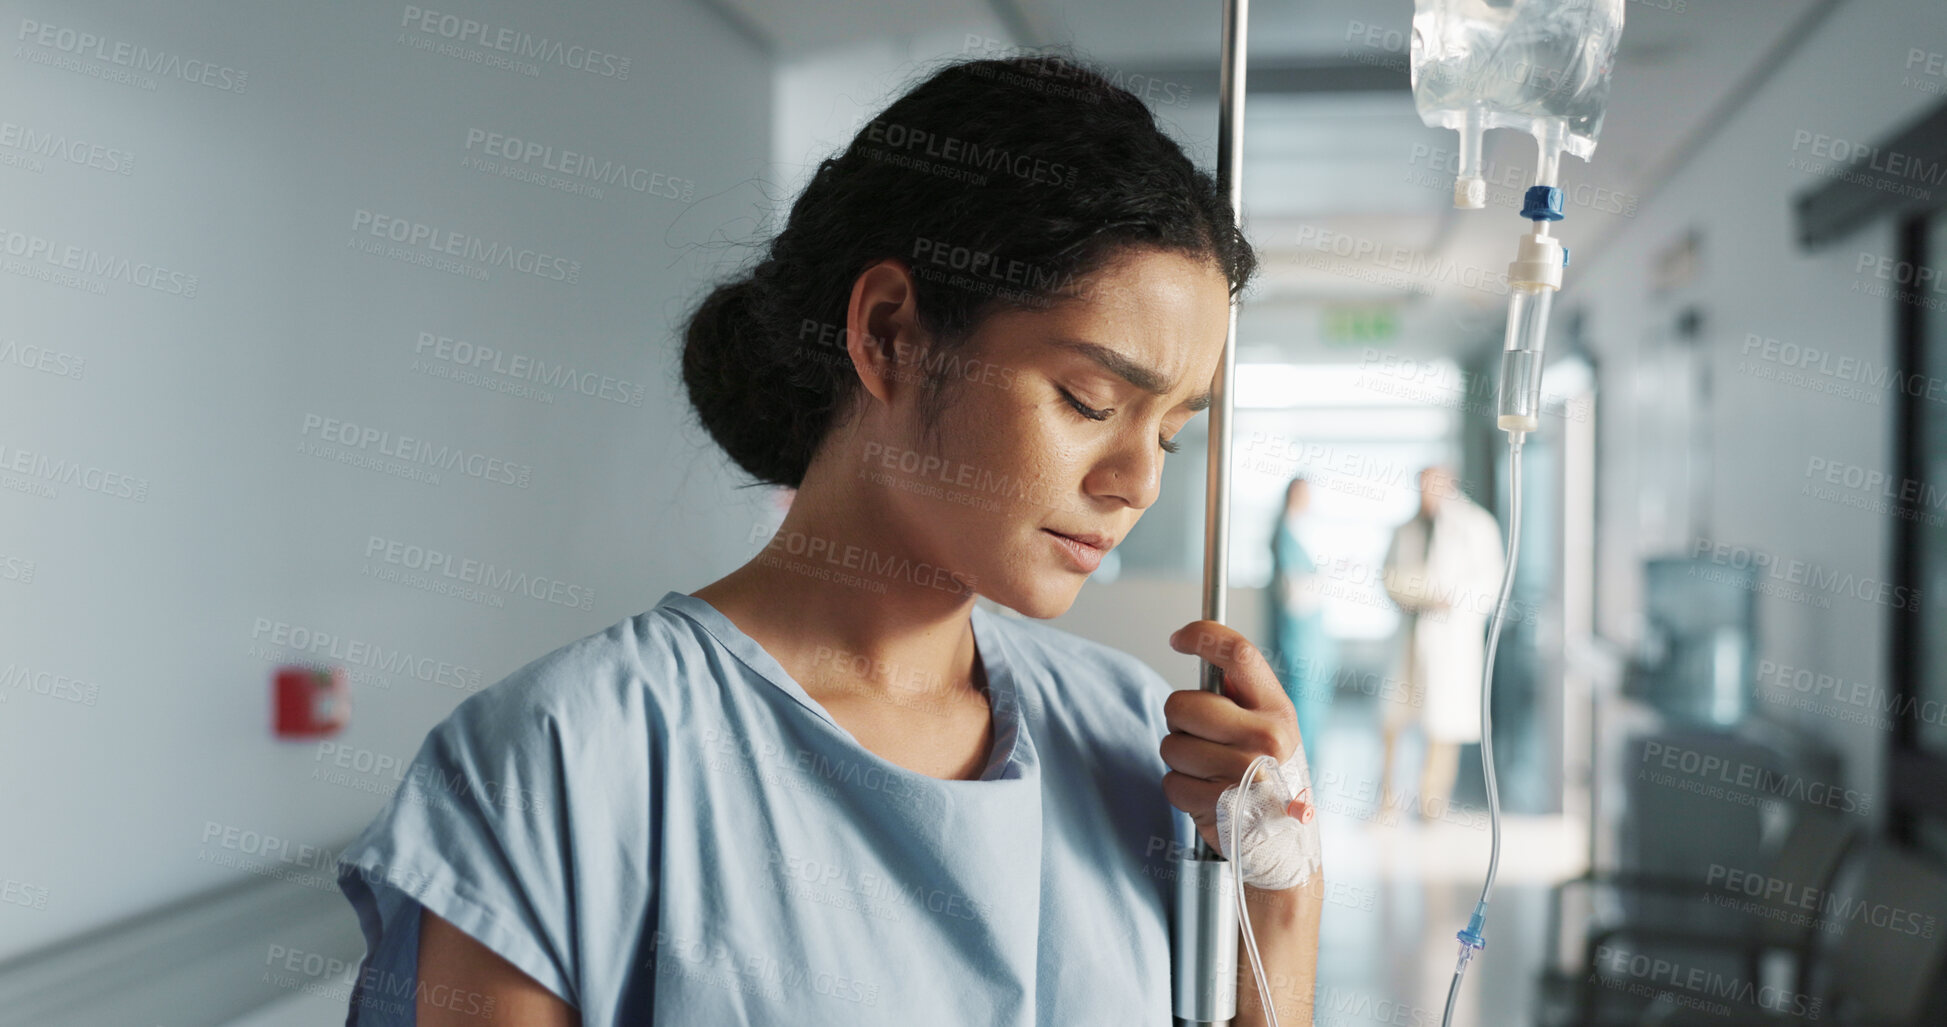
(1398,888)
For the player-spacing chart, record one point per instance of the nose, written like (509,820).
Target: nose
(1131,472)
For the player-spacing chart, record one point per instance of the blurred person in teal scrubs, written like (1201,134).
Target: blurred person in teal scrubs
(1305,657)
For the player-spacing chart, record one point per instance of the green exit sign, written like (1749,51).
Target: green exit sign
(1359,326)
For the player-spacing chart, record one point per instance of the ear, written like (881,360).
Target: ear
(882,326)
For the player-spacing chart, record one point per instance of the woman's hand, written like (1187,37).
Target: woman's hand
(1213,738)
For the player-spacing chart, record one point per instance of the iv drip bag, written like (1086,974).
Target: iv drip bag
(1537,65)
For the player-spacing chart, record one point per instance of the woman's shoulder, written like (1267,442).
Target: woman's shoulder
(625,677)
(525,815)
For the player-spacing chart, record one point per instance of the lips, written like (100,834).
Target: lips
(1084,552)
(1092,540)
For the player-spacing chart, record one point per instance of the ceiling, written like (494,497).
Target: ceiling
(1336,159)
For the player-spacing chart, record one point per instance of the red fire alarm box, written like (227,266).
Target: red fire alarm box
(308,702)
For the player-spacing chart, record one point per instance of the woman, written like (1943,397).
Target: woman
(1307,657)
(966,352)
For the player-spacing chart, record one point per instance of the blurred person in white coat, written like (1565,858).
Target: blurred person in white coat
(1443,569)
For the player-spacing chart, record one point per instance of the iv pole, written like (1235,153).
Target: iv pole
(1204,957)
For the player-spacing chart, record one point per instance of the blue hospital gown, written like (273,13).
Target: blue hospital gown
(660,826)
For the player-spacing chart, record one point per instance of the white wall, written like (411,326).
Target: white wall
(823,99)
(1850,80)
(144,596)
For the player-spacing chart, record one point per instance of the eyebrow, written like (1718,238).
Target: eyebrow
(1145,378)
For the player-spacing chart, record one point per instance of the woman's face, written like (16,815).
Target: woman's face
(1297,497)
(1056,425)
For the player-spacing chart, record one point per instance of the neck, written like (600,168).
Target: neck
(847,608)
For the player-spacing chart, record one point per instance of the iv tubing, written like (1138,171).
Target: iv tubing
(1471,940)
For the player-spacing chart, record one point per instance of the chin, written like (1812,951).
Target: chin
(1045,598)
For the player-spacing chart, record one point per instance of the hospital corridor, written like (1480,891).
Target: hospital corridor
(983,513)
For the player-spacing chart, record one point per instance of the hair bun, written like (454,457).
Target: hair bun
(740,383)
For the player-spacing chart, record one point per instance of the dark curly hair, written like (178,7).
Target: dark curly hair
(1029,173)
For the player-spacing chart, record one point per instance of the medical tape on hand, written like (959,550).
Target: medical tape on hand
(1279,850)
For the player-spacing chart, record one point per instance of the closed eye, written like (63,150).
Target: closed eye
(1169,445)
(1084,409)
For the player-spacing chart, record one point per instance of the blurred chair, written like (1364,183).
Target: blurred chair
(1883,967)
(1706,921)
(1698,796)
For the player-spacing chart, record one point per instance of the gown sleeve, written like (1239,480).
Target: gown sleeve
(477,833)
